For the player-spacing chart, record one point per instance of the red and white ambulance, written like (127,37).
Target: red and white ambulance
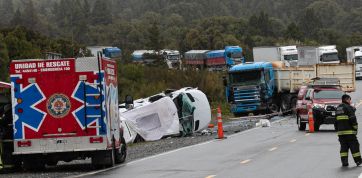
(66,109)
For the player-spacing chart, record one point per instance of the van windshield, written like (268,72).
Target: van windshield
(250,77)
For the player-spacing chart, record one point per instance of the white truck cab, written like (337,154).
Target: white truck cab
(328,54)
(354,54)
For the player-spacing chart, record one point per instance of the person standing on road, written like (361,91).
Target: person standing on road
(347,127)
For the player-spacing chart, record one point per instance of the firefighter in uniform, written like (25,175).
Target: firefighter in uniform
(347,127)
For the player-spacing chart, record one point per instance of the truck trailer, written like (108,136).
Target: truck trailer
(66,109)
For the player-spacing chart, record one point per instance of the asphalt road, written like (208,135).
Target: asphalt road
(272,152)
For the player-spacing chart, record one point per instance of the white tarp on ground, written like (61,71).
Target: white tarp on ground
(155,120)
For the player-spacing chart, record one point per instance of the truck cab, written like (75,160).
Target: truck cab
(250,87)
(328,54)
(172,58)
(354,54)
(234,55)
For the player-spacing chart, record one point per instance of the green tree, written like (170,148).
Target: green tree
(6,12)
(31,16)
(310,23)
(4,59)
(155,40)
(17,19)
(293,32)
(101,13)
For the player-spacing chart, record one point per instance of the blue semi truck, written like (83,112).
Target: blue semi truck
(250,88)
(267,87)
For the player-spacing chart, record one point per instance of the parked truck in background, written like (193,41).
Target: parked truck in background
(287,54)
(172,58)
(271,86)
(354,54)
(66,109)
(195,59)
(234,55)
(311,55)
(107,51)
(214,59)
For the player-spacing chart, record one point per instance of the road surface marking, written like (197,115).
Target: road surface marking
(272,149)
(307,134)
(293,140)
(245,161)
(210,176)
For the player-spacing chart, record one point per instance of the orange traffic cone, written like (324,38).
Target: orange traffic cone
(310,119)
(220,131)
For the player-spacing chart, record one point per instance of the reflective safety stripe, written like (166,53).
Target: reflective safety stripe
(344,154)
(358,154)
(342,117)
(347,132)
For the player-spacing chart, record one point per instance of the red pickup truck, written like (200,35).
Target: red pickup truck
(323,100)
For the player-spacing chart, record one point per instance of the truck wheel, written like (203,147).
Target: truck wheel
(293,106)
(301,125)
(285,105)
(273,108)
(121,152)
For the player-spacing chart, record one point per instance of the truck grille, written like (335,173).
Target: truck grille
(247,96)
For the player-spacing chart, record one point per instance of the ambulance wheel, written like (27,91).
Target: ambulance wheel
(121,153)
(34,164)
(103,159)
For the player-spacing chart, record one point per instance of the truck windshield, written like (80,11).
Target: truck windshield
(173,57)
(291,57)
(236,55)
(329,57)
(251,77)
(328,94)
(359,60)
